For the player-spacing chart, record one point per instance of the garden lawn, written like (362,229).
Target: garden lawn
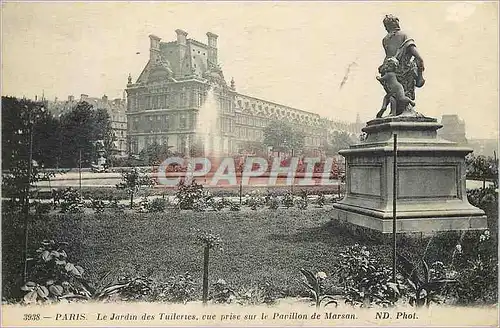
(258,246)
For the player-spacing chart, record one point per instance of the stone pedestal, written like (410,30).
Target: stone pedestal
(431,194)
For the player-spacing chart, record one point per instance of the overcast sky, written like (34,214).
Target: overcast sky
(294,53)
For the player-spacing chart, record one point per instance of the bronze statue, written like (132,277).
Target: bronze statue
(403,61)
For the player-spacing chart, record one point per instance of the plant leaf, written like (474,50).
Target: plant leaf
(427,274)
(311,278)
(28,288)
(80,269)
(30,297)
(75,272)
(332,301)
(69,267)
(69,296)
(46,256)
(42,291)
(56,290)
(408,270)
(394,287)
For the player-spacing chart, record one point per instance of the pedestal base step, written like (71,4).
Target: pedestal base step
(427,224)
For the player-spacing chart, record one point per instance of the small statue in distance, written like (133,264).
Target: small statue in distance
(395,93)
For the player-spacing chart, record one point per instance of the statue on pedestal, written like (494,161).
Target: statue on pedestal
(401,71)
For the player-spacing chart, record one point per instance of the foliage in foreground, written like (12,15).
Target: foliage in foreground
(133,181)
(364,279)
(473,266)
(315,285)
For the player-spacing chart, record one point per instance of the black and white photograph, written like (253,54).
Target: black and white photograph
(249,163)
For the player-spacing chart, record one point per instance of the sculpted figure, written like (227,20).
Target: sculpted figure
(395,92)
(409,71)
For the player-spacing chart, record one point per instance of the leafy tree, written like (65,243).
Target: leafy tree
(155,153)
(483,168)
(81,128)
(133,181)
(196,149)
(20,117)
(28,132)
(337,141)
(256,147)
(102,129)
(283,137)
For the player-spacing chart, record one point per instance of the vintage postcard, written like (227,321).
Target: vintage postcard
(249,164)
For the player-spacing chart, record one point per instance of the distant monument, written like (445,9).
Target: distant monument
(430,181)
(453,129)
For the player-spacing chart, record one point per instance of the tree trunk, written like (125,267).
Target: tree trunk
(205,274)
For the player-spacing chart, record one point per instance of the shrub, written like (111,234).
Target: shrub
(303,201)
(321,200)
(478,275)
(71,201)
(157,205)
(428,287)
(254,200)
(482,197)
(97,205)
(288,200)
(234,206)
(53,277)
(134,288)
(143,205)
(217,205)
(42,208)
(364,279)
(192,196)
(263,294)
(179,289)
(273,203)
(133,181)
(114,204)
(222,292)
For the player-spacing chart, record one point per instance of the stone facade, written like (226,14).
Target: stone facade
(165,102)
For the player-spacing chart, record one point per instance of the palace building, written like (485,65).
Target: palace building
(165,103)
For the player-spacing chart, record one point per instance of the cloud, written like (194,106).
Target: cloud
(459,12)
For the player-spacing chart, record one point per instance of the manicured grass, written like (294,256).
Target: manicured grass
(259,246)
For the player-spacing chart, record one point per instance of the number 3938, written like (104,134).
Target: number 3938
(31,316)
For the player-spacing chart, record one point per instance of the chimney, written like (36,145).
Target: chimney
(182,48)
(105,98)
(181,36)
(71,98)
(83,97)
(212,48)
(154,48)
